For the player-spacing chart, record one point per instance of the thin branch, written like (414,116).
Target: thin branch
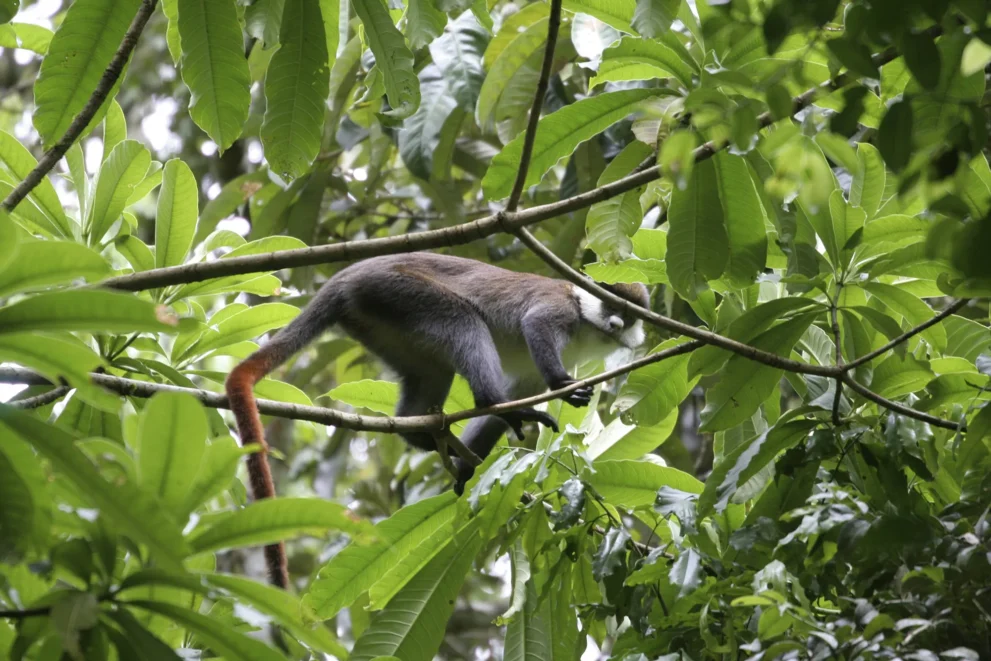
(332,417)
(901,409)
(449,236)
(25,613)
(835,322)
(866,358)
(43,399)
(530,136)
(85,116)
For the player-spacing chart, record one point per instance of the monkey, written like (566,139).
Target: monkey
(430,316)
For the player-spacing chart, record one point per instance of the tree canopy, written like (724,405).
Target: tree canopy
(797,464)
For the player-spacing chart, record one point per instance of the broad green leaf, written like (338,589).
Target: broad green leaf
(330,11)
(867,187)
(42,263)
(296,88)
(9,243)
(35,38)
(216,471)
(744,384)
(617,13)
(89,310)
(136,514)
(847,221)
(634,484)
(652,392)
(897,376)
(523,36)
(214,68)
(458,54)
(558,135)
(966,338)
(135,252)
(647,271)
(246,325)
(52,357)
(546,629)
(909,306)
(283,607)
(263,20)
(151,181)
(421,134)
(136,641)
(16,515)
(80,51)
(272,520)
(621,441)
(18,160)
(698,248)
(894,137)
(358,567)
(424,23)
(412,626)
(686,572)
(378,396)
(235,192)
(939,110)
(632,58)
(175,221)
(652,18)
(610,224)
(172,437)
(854,55)
(120,173)
(976,56)
(743,216)
(22,466)
(392,57)
(114,128)
(221,638)
(170,8)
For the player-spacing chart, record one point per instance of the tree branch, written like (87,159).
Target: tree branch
(449,236)
(901,409)
(82,120)
(530,136)
(41,400)
(332,417)
(835,322)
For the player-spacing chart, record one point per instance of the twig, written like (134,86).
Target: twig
(26,613)
(530,136)
(835,321)
(866,358)
(906,411)
(41,400)
(327,416)
(82,120)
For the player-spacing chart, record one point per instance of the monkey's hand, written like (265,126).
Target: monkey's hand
(579,397)
(515,420)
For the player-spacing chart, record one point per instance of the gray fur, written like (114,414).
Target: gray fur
(429,316)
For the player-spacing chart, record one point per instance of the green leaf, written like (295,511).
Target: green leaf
(89,310)
(686,572)
(558,135)
(43,263)
(421,134)
(424,23)
(273,520)
(85,42)
(698,247)
(217,635)
(35,38)
(652,392)
(638,59)
(922,58)
(172,439)
(246,325)
(743,384)
(610,224)
(114,128)
(17,514)
(867,187)
(296,88)
(854,56)
(9,243)
(120,173)
(175,222)
(378,396)
(235,192)
(283,607)
(743,216)
(214,68)
(847,221)
(134,512)
(412,626)
(458,54)
(911,307)
(521,36)
(621,441)
(897,376)
(217,469)
(360,566)
(894,137)
(18,160)
(634,484)
(617,13)
(53,357)
(134,250)
(976,56)
(8,9)
(136,637)
(647,271)
(392,57)
(653,18)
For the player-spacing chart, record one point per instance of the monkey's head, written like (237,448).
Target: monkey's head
(615,322)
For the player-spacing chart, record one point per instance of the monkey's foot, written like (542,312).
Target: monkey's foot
(515,420)
(579,397)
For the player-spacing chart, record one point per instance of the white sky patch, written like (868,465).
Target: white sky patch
(360,174)
(214,190)
(255,151)
(39,13)
(155,127)
(93,153)
(235,224)
(9,390)
(208,148)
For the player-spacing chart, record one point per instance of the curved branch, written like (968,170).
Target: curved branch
(41,400)
(530,136)
(901,409)
(85,116)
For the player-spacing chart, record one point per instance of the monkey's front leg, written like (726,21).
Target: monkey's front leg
(545,338)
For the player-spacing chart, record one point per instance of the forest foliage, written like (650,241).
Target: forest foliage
(796,466)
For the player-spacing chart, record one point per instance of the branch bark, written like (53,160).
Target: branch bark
(82,120)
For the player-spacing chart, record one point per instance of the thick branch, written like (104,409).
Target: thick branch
(335,418)
(529,137)
(43,399)
(85,116)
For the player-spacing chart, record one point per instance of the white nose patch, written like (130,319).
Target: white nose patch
(615,323)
